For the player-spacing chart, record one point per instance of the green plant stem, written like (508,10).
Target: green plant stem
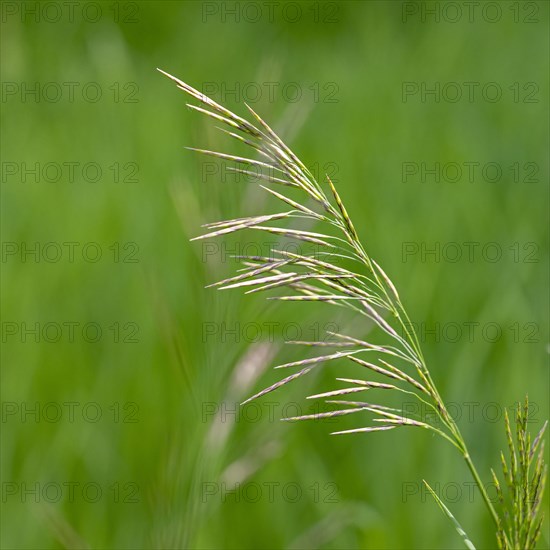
(452,425)
(477,478)
(481,487)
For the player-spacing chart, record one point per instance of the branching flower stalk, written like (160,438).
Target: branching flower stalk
(316,275)
(521,499)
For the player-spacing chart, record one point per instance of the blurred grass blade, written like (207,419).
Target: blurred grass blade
(467,542)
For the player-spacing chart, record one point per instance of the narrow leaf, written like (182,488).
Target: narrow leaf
(467,542)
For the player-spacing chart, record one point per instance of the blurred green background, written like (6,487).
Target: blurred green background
(119,377)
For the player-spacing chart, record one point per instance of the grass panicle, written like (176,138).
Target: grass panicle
(368,291)
(524,475)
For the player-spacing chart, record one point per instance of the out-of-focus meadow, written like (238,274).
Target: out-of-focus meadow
(121,374)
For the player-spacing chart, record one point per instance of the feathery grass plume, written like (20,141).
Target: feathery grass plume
(366,290)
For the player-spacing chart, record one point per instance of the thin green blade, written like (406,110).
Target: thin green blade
(468,543)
